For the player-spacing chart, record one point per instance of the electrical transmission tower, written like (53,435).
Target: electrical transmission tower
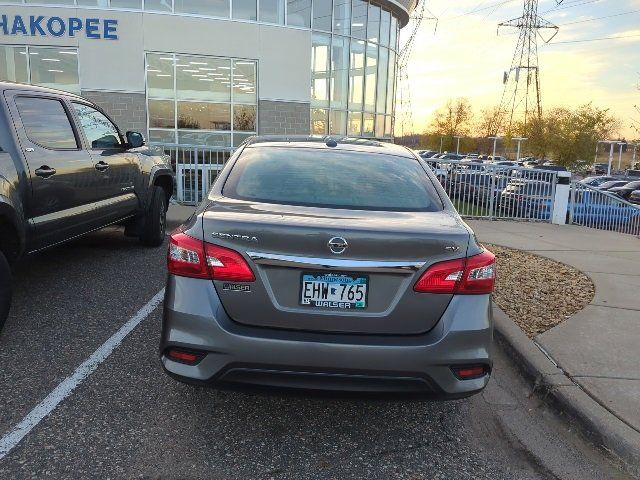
(521,95)
(420,13)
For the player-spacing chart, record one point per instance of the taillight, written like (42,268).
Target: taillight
(190,257)
(186,256)
(465,276)
(227,264)
(443,277)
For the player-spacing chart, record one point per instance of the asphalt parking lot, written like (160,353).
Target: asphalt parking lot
(127,419)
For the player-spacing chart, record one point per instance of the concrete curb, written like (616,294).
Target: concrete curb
(554,386)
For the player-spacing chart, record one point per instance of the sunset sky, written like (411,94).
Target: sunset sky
(466,58)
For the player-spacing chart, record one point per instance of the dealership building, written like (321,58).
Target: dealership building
(213,72)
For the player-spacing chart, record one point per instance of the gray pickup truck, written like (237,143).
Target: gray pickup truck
(67,170)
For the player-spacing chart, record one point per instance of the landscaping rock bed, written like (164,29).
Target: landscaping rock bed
(538,293)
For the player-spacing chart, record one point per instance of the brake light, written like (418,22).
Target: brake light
(465,276)
(190,257)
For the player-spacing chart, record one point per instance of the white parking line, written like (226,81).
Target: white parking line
(64,389)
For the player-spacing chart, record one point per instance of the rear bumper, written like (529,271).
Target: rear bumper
(239,355)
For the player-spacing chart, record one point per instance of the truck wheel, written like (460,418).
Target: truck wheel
(5,289)
(155,220)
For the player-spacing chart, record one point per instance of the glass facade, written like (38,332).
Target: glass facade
(52,67)
(195,99)
(353,68)
(198,100)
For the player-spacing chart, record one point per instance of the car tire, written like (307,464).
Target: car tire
(155,220)
(5,289)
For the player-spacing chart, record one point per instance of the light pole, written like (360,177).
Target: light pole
(495,141)
(633,162)
(519,140)
(620,144)
(612,143)
(458,137)
(441,139)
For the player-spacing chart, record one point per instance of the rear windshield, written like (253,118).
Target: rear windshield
(336,179)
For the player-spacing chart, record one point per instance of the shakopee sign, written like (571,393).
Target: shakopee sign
(43,26)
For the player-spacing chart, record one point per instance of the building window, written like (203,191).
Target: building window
(322,15)
(129,4)
(210,8)
(320,70)
(353,68)
(52,67)
(272,11)
(385,27)
(319,123)
(359,19)
(299,13)
(245,10)
(373,23)
(339,72)
(383,72)
(199,100)
(371,75)
(13,64)
(158,5)
(342,17)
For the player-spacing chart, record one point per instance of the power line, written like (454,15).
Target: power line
(600,18)
(594,39)
(571,5)
(482,9)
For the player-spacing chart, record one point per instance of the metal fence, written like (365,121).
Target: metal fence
(482,190)
(196,168)
(603,210)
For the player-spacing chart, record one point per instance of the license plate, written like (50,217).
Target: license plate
(334,290)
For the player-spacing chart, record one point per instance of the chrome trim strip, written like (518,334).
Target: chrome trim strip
(406,267)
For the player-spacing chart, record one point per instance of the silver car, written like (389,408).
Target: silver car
(328,264)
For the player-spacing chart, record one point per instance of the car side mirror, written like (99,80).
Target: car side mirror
(135,139)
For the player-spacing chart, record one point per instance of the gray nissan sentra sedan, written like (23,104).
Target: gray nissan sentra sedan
(328,264)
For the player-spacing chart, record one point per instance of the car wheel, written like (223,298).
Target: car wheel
(5,289)
(155,222)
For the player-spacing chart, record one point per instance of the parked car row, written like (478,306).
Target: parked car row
(529,193)
(528,162)
(627,187)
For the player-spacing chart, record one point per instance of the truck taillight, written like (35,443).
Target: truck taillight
(190,257)
(474,275)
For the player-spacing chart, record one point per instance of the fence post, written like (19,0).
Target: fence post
(561,199)
(492,186)
(572,203)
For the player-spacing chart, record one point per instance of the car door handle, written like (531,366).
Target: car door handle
(102,166)
(45,171)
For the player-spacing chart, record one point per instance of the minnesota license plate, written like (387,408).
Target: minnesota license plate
(334,290)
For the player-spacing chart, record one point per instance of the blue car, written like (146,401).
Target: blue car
(594,209)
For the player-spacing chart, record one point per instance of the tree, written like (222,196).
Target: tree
(454,118)
(570,135)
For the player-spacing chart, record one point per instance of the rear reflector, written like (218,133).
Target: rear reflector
(470,372)
(464,276)
(184,356)
(190,257)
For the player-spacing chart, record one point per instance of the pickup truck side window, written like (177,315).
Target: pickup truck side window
(98,129)
(46,122)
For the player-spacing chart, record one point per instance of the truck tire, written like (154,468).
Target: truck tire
(155,220)
(5,289)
